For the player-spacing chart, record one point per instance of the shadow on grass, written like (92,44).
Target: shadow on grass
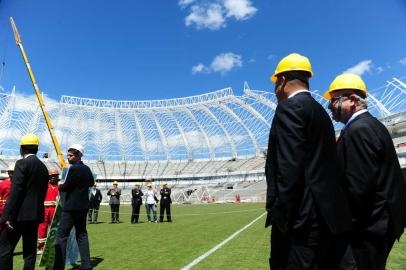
(94,261)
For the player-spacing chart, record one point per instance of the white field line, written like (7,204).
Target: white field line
(208,253)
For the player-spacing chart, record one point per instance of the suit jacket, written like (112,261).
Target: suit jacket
(95,200)
(136,196)
(114,195)
(77,184)
(301,169)
(165,195)
(373,177)
(28,190)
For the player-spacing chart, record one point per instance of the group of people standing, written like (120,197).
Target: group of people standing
(28,202)
(151,201)
(332,203)
(30,205)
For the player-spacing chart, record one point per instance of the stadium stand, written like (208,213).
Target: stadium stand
(209,147)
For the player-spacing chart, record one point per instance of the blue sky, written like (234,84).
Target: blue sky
(145,49)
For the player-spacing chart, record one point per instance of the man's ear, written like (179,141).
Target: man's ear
(354,99)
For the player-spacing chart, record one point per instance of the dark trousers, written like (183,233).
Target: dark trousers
(135,212)
(28,230)
(115,212)
(165,206)
(315,249)
(371,251)
(68,220)
(93,214)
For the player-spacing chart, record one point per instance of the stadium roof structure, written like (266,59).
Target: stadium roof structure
(208,126)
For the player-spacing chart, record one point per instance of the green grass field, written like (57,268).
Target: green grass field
(194,231)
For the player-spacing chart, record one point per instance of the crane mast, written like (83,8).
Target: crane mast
(62,162)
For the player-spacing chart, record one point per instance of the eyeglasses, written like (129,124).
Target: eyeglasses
(70,155)
(335,99)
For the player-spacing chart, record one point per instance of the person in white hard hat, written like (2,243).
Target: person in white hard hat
(75,208)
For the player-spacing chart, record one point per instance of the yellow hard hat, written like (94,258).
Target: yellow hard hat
(115,183)
(292,62)
(138,184)
(53,172)
(29,139)
(165,183)
(149,185)
(346,81)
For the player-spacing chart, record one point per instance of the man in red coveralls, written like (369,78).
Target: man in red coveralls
(50,206)
(5,186)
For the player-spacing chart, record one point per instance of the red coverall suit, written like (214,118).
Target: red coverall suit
(5,186)
(50,206)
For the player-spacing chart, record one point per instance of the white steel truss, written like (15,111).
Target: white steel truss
(211,126)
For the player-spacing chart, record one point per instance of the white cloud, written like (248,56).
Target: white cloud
(199,68)
(360,68)
(403,61)
(225,62)
(210,17)
(213,14)
(239,9)
(185,3)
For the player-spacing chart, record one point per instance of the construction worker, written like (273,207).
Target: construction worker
(94,204)
(165,203)
(74,209)
(136,202)
(114,202)
(372,175)
(306,207)
(50,206)
(24,209)
(150,203)
(5,186)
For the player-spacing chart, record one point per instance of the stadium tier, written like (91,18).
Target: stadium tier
(217,135)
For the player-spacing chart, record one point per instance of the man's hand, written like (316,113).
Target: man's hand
(8,226)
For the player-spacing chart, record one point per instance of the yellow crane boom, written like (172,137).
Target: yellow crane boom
(19,43)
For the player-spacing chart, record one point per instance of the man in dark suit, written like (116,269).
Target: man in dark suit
(305,203)
(165,203)
(373,179)
(24,209)
(136,202)
(74,209)
(94,204)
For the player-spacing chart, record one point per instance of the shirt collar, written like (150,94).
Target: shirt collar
(297,92)
(28,155)
(353,117)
